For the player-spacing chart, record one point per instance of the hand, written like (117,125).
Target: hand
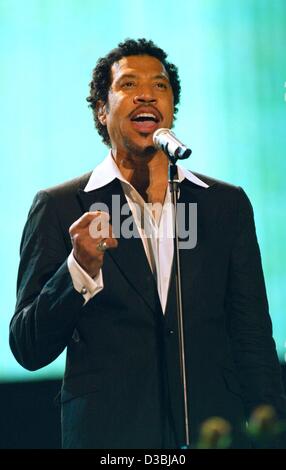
(86,233)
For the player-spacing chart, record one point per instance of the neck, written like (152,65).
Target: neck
(149,175)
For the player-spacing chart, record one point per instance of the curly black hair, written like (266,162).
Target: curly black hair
(101,76)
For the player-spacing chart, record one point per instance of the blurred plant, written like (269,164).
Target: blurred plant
(215,433)
(264,426)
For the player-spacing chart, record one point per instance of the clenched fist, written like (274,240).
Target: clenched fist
(86,234)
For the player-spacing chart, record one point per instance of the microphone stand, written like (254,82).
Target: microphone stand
(174,188)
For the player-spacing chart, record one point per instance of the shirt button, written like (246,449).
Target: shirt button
(170,332)
(83,291)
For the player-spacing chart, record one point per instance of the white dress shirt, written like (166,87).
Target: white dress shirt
(158,247)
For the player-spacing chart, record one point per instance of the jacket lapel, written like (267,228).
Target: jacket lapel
(190,193)
(129,256)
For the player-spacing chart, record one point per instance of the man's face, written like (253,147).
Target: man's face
(140,100)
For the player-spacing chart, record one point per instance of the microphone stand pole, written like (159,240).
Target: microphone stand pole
(174,188)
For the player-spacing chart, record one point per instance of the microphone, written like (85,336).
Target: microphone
(166,140)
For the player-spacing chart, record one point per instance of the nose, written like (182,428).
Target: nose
(144,95)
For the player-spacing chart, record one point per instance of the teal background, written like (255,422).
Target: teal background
(232,61)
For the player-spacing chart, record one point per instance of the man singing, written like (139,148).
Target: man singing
(111,301)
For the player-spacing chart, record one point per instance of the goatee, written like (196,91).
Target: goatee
(139,151)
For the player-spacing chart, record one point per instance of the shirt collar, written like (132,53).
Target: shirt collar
(107,171)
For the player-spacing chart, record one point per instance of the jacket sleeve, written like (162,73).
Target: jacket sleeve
(48,306)
(250,325)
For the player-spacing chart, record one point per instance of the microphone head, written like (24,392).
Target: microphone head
(165,139)
(158,133)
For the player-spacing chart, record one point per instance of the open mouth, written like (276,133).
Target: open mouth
(145,117)
(145,122)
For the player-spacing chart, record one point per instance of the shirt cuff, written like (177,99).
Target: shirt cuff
(83,283)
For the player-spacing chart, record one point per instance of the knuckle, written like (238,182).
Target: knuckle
(72,228)
(94,214)
(85,217)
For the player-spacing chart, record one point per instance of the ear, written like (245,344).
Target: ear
(101,112)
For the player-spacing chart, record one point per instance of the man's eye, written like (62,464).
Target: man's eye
(128,84)
(161,85)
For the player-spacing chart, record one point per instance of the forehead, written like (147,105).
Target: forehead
(144,65)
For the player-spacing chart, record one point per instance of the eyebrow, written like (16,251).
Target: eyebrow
(126,75)
(161,76)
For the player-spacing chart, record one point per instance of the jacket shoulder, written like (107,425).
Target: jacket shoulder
(69,187)
(227,194)
(61,201)
(216,182)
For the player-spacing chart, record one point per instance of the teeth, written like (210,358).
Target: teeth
(145,115)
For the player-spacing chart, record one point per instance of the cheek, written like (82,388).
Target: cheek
(115,113)
(168,106)
(169,115)
(114,124)
(116,102)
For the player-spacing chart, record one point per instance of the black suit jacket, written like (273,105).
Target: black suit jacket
(122,386)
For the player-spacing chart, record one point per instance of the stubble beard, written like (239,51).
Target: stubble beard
(140,151)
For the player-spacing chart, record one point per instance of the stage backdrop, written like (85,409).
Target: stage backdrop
(232,61)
